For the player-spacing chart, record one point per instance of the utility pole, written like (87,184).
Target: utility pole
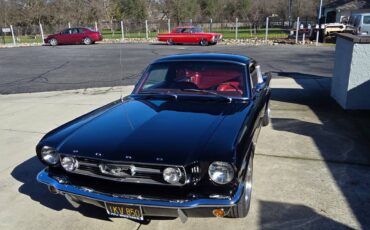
(318,22)
(320,9)
(290,13)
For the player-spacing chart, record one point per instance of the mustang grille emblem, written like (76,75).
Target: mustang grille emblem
(132,170)
(118,170)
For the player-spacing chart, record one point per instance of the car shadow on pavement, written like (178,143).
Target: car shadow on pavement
(276,215)
(26,173)
(342,137)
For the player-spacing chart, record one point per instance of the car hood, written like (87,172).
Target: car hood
(149,131)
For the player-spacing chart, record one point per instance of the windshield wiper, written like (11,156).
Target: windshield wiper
(151,94)
(228,99)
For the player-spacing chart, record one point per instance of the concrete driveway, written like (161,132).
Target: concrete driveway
(312,166)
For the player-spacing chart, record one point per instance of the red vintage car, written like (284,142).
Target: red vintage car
(74,36)
(189,34)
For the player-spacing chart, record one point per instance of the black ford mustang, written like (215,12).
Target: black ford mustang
(181,145)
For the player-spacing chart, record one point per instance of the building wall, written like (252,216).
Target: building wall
(351,74)
(341,72)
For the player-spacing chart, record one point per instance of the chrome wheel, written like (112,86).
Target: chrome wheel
(169,42)
(248,183)
(87,41)
(203,42)
(242,207)
(53,42)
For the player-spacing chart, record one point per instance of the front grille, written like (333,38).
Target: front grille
(126,172)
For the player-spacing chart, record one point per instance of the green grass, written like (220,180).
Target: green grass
(243,33)
(20,39)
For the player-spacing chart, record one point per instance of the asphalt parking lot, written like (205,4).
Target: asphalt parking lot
(39,69)
(312,164)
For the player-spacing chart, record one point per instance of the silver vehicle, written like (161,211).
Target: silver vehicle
(361,23)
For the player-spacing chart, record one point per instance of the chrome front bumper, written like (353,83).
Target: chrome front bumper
(86,195)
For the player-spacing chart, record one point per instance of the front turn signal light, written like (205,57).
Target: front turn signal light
(218,212)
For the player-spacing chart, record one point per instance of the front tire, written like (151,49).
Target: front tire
(87,41)
(169,42)
(242,208)
(53,42)
(203,42)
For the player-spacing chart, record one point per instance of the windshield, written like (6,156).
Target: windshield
(201,77)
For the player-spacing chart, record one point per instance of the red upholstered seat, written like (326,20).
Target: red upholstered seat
(227,82)
(231,88)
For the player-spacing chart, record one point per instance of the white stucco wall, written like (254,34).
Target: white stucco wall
(342,67)
(351,75)
(359,79)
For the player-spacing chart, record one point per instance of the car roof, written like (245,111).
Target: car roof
(206,57)
(78,28)
(185,27)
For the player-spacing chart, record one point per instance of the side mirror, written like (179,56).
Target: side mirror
(259,74)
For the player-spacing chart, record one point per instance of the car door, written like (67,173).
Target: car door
(185,36)
(74,36)
(64,36)
(257,94)
(176,35)
(77,35)
(196,35)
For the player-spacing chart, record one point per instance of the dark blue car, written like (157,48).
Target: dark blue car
(181,145)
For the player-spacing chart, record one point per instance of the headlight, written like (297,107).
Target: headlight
(172,175)
(69,163)
(221,172)
(49,155)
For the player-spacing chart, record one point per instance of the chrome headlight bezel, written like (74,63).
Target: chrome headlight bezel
(221,172)
(172,175)
(49,155)
(69,164)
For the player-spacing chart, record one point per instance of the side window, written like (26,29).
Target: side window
(179,30)
(80,30)
(196,30)
(187,30)
(253,74)
(156,76)
(67,31)
(75,31)
(366,19)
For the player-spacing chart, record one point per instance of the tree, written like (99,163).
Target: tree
(180,10)
(211,8)
(132,9)
(85,12)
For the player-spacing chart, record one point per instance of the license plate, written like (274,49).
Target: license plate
(127,211)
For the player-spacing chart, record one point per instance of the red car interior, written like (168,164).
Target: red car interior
(228,82)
